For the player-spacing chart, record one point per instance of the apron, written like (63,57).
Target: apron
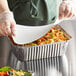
(34,12)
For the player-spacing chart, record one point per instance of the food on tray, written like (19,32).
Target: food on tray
(53,35)
(7,71)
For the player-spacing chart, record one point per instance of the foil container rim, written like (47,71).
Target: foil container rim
(44,44)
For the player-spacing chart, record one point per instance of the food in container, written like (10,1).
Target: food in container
(53,44)
(53,35)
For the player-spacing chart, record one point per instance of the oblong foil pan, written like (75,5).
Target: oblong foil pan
(25,53)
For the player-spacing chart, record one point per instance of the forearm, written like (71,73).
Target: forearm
(3,5)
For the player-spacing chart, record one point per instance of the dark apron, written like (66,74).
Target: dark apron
(34,12)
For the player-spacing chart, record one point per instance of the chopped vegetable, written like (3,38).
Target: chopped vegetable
(7,71)
(55,34)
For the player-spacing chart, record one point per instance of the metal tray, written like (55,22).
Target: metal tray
(42,51)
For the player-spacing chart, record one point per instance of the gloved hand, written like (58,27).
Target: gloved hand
(67,9)
(7,24)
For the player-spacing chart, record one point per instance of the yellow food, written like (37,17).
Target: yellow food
(53,35)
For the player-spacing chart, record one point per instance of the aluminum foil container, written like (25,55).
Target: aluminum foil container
(25,53)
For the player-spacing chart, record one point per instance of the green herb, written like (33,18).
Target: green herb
(5,69)
(28,74)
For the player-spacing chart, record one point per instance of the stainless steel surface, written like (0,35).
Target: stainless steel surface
(4,51)
(56,66)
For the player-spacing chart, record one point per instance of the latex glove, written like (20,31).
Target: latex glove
(67,9)
(7,24)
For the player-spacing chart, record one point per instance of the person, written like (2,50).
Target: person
(7,25)
(7,21)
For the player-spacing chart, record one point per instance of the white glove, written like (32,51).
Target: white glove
(7,23)
(67,9)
